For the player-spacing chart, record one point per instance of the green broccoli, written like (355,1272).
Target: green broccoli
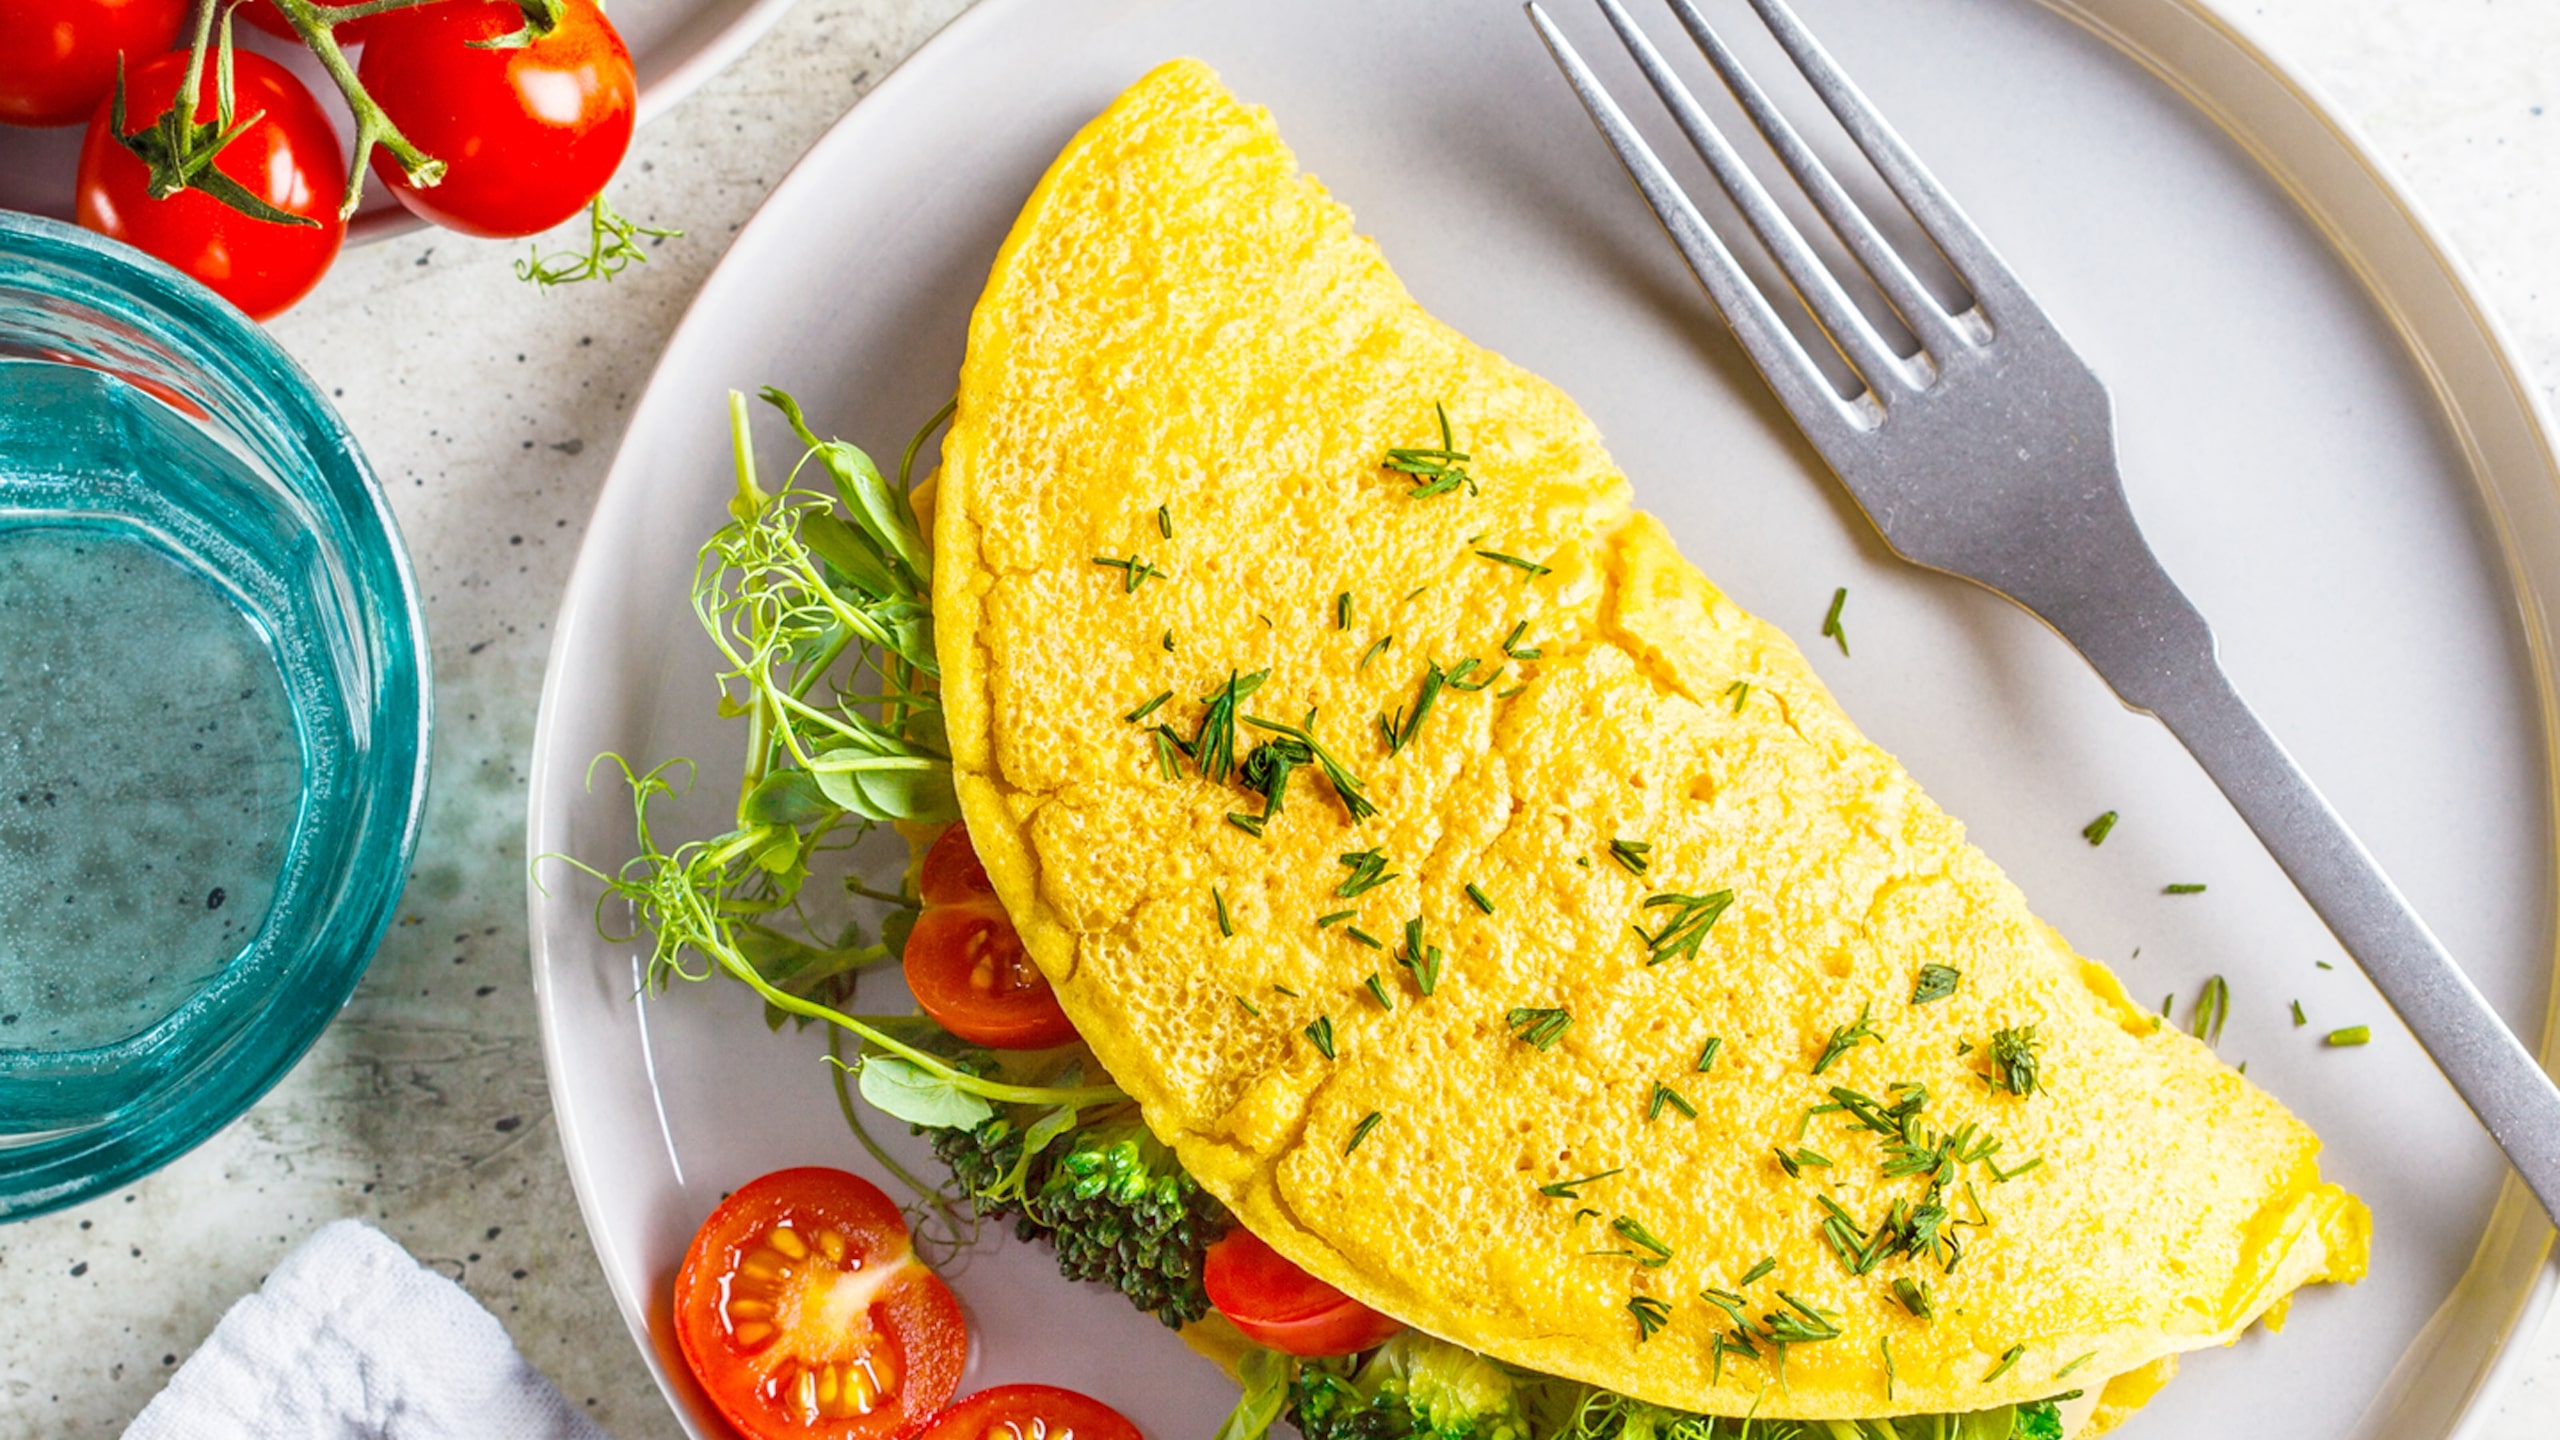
(1107,1195)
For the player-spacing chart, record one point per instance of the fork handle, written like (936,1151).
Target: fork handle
(2491,1069)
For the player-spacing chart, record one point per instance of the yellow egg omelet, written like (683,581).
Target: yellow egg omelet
(1593,991)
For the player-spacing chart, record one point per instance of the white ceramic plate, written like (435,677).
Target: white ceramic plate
(2324,439)
(675,46)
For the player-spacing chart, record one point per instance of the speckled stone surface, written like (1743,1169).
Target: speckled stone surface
(493,412)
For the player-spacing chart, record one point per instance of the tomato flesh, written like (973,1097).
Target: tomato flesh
(1030,1412)
(952,874)
(528,134)
(1280,1306)
(58,57)
(288,157)
(966,967)
(805,1314)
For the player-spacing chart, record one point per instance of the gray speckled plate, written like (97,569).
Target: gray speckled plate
(2324,437)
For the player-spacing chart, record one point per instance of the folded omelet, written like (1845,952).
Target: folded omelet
(1587,990)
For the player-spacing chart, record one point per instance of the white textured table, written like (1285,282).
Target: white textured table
(492,413)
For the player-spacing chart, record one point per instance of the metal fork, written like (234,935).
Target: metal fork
(1990,455)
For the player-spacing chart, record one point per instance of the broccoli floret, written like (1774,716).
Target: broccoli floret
(1108,1196)
(1411,1388)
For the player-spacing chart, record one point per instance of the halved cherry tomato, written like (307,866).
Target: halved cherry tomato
(952,873)
(288,156)
(805,1314)
(966,966)
(1276,1304)
(58,57)
(528,134)
(1030,1412)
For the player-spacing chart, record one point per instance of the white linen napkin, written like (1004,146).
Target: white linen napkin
(350,1339)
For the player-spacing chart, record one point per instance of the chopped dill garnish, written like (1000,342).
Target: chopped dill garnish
(1377,989)
(1342,611)
(2095,832)
(1164,522)
(1459,672)
(1707,1053)
(1477,897)
(1249,1007)
(1800,1323)
(1364,937)
(1168,642)
(1756,1272)
(1537,1026)
(1149,708)
(1845,1038)
(1320,1031)
(2349,1035)
(1740,690)
(1692,916)
(1514,690)
(1831,623)
(1226,926)
(1664,1095)
(1399,728)
(1376,648)
(1936,982)
(2075,1363)
(1433,471)
(1285,990)
(1914,1296)
(1249,824)
(1346,786)
(1335,918)
(2323,964)
(2187,889)
(1166,766)
(1572,1189)
(2213,1006)
(1135,569)
(1361,1131)
(1213,745)
(1419,957)
(2013,1061)
(1635,855)
(1368,872)
(1884,1347)
(1533,568)
(1651,1315)
(2008,1358)
(1657,1254)
(2299,1019)
(1512,647)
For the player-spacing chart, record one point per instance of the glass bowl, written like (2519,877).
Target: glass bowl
(213,714)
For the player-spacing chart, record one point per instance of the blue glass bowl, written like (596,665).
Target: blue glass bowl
(213,714)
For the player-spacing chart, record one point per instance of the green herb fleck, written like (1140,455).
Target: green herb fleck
(1512,647)
(1364,937)
(1707,1053)
(1398,728)
(1572,1189)
(1249,1007)
(1361,1131)
(2013,1061)
(1845,1038)
(1740,690)
(2075,1363)
(1515,562)
(2349,1035)
(1212,747)
(1884,1347)
(1831,623)
(2213,1006)
(1651,1315)
(1914,1296)
(2008,1358)
(1632,854)
(1135,569)
(1433,471)
(1664,1095)
(1368,872)
(1477,897)
(2095,832)
(1377,989)
(1249,824)
(1936,982)
(1335,918)
(1320,1031)
(1342,611)
(1800,1323)
(1537,1026)
(1143,711)
(1376,648)
(1168,642)
(1692,916)
(1226,926)
(1756,1272)
(1629,1228)
(2182,889)
(2299,1019)
(1164,522)
(1419,957)
(1346,786)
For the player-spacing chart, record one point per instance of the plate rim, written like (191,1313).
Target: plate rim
(2516,1244)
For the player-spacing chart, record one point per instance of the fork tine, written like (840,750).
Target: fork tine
(1813,281)
(1791,372)
(1955,236)
(1919,309)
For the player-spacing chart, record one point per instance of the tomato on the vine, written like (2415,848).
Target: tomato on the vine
(58,57)
(1281,1306)
(964,960)
(267,15)
(1030,1412)
(528,134)
(288,157)
(805,1314)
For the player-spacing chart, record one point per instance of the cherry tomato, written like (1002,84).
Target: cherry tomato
(951,873)
(58,57)
(267,15)
(966,966)
(528,135)
(1030,1412)
(1281,1306)
(288,157)
(805,1314)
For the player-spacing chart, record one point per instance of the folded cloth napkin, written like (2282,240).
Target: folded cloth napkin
(350,1339)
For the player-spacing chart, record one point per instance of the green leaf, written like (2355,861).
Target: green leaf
(885,787)
(868,494)
(903,1090)
(778,849)
(851,553)
(785,797)
(1265,1376)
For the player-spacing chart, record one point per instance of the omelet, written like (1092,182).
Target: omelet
(1586,990)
